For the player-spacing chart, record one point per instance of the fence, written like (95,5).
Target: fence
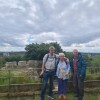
(9,76)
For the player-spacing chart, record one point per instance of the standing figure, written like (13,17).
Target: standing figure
(48,72)
(63,68)
(78,69)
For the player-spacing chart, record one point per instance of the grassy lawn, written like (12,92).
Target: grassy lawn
(16,77)
(87,96)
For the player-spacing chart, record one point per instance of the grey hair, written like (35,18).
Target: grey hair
(75,50)
(51,47)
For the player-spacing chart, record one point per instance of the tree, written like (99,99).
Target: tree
(14,58)
(37,51)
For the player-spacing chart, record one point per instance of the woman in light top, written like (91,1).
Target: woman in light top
(62,73)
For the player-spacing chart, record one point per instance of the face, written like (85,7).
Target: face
(51,51)
(75,53)
(61,58)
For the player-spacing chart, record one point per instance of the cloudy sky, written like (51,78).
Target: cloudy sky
(72,23)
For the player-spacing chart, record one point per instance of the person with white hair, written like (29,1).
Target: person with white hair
(49,71)
(62,73)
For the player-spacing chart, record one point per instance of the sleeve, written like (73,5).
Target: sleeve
(83,71)
(71,66)
(68,68)
(57,56)
(44,58)
(57,72)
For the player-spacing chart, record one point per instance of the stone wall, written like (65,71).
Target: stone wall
(11,64)
(24,64)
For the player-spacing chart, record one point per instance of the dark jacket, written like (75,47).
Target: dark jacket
(81,66)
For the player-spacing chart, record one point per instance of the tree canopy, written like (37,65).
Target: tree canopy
(37,51)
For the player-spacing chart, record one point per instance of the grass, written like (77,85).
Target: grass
(87,96)
(71,97)
(16,77)
(25,79)
(92,76)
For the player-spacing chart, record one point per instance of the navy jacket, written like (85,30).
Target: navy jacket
(81,66)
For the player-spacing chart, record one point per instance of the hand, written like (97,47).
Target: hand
(41,73)
(80,75)
(66,74)
(67,59)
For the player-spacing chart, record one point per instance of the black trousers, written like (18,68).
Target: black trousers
(78,85)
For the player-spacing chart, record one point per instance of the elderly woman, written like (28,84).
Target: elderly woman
(63,68)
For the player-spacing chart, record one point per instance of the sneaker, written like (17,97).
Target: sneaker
(51,97)
(80,98)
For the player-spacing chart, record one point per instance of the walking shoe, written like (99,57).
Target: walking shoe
(60,96)
(51,97)
(80,98)
(64,97)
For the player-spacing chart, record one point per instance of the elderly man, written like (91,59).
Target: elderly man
(48,72)
(78,69)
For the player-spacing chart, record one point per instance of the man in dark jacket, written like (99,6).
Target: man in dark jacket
(78,69)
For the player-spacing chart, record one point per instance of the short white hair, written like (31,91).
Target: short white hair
(51,47)
(61,54)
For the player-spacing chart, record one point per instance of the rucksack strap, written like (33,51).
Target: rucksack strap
(47,59)
(59,61)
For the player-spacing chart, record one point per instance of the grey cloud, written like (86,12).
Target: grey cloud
(74,20)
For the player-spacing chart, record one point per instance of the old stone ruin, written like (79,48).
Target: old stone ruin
(31,68)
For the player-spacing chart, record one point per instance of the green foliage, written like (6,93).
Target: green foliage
(95,61)
(14,58)
(2,62)
(37,51)
(68,54)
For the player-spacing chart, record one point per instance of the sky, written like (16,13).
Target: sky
(74,24)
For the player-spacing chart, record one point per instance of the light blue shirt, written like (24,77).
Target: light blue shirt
(62,70)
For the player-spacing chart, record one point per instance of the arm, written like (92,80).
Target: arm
(43,65)
(67,60)
(68,68)
(83,71)
(71,66)
(57,72)
(42,69)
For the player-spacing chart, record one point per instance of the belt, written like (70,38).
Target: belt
(49,70)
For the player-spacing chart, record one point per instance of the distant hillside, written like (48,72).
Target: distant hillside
(92,53)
